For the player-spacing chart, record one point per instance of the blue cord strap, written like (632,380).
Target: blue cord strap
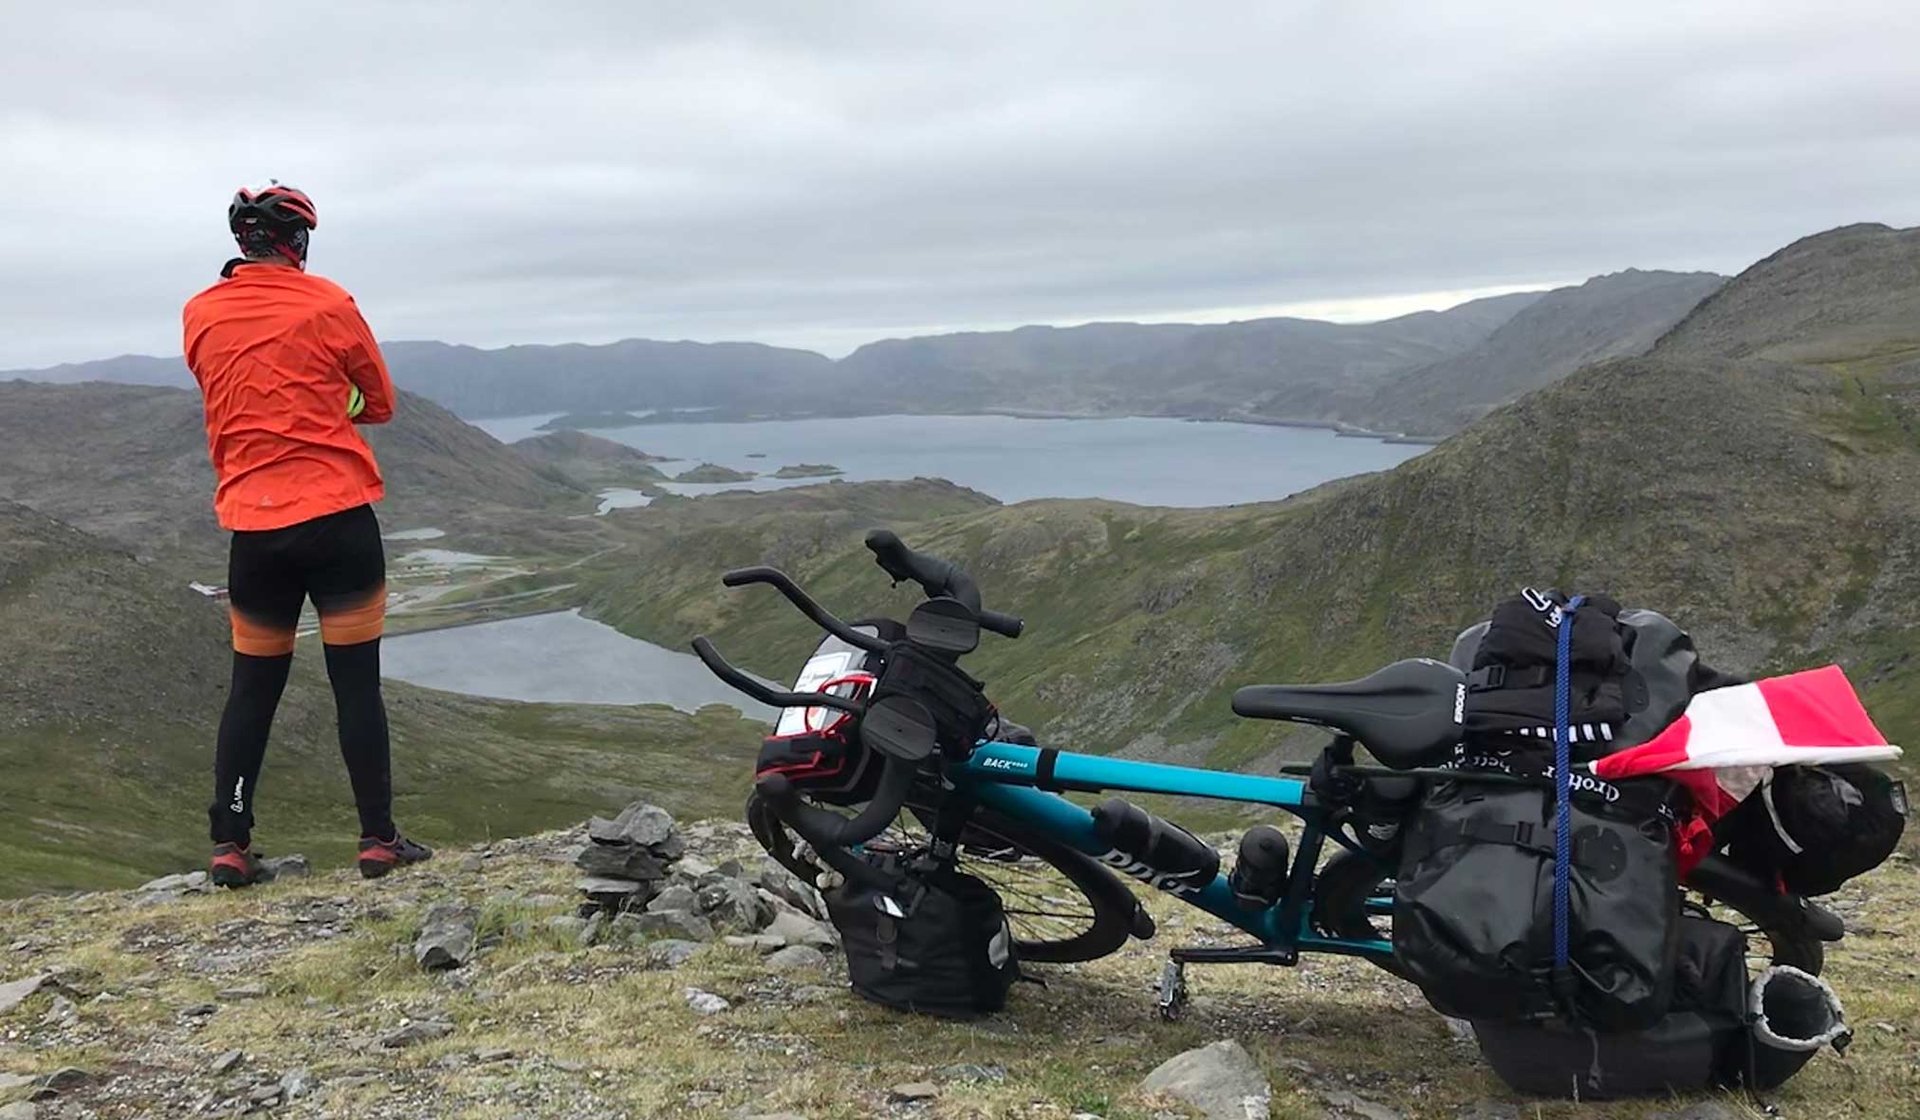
(1563,796)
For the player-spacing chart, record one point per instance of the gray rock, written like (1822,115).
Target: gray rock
(265,1094)
(63,1013)
(491,1055)
(227,1062)
(415,1033)
(677,897)
(797,958)
(446,938)
(798,929)
(18,1110)
(590,934)
(670,953)
(1345,1104)
(735,905)
(706,1003)
(297,1083)
(621,861)
(473,863)
(65,1078)
(244,991)
(812,993)
(14,994)
(913,1091)
(1219,1080)
(166,883)
(567,925)
(787,886)
(759,942)
(639,823)
(597,886)
(971,1072)
(676,923)
(292,866)
(691,870)
(1489,1110)
(13,1081)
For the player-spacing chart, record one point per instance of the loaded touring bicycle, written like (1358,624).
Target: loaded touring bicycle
(885,722)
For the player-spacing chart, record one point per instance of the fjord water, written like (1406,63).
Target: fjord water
(564,658)
(558,658)
(1146,461)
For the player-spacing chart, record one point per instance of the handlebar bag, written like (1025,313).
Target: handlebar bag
(819,749)
(958,703)
(1473,910)
(1702,1042)
(937,944)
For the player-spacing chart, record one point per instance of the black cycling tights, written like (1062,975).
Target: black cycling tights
(244,727)
(339,563)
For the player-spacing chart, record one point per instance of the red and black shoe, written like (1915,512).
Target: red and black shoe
(234,865)
(377,856)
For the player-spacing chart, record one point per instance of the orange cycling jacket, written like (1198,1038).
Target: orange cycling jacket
(278,352)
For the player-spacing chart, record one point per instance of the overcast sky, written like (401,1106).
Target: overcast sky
(825,174)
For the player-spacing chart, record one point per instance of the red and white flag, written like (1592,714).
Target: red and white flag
(1729,739)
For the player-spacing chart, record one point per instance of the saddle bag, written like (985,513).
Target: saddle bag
(936,943)
(1473,912)
(1722,1032)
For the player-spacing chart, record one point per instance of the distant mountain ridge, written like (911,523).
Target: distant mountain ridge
(1276,368)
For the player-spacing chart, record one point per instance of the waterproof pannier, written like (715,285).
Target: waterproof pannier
(1723,1032)
(1815,827)
(936,943)
(1473,910)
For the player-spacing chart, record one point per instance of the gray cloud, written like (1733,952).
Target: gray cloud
(824,174)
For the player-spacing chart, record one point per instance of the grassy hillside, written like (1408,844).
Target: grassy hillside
(115,676)
(1768,506)
(130,463)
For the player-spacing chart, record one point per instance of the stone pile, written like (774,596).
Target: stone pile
(626,859)
(643,888)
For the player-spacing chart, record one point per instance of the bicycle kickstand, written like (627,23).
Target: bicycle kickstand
(1172,1001)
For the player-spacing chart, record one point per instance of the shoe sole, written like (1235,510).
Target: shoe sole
(228,877)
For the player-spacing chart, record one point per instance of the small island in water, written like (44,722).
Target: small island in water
(808,470)
(581,421)
(713,472)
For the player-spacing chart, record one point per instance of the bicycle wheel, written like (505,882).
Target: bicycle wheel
(1064,905)
(1349,879)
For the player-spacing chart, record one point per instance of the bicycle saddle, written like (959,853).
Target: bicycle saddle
(1407,714)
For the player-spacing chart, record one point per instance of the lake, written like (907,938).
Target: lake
(1142,460)
(559,658)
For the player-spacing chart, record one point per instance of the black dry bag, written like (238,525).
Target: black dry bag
(1473,903)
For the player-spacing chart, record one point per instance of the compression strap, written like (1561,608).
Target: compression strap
(1563,797)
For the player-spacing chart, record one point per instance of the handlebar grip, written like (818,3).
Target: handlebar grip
(824,829)
(1006,624)
(935,576)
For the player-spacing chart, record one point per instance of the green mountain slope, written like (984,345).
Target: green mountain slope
(1768,506)
(130,463)
(115,674)
(1606,317)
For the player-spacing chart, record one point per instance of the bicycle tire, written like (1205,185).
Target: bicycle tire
(1111,904)
(1349,879)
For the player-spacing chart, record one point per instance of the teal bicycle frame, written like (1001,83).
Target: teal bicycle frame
(1004,777)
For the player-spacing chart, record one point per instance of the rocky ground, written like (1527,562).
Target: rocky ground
(696,981)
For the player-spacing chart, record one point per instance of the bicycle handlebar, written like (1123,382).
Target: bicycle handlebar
(936,577)
(820,616)
(764,692)
(827,830)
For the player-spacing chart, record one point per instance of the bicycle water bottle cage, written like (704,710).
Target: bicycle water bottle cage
(959,710)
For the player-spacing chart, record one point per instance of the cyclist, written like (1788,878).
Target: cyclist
(286,367)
